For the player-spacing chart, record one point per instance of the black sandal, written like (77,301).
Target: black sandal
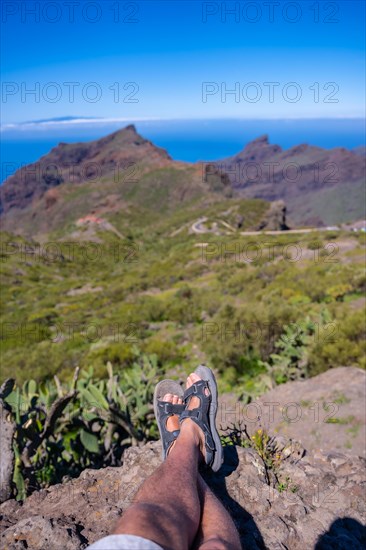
(163,410)
(205,414)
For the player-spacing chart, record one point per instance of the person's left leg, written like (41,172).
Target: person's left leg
(167,509)
(217,530)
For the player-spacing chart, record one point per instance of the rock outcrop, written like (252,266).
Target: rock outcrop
(275,218)
(321,507)
(7,429)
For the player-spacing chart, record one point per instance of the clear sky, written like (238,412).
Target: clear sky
(174,59)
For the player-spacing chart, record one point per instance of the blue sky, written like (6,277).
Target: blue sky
(312,51)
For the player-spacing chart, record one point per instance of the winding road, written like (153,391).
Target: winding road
(199,228)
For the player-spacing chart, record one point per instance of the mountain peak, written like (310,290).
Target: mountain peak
(130,130)
(261,140)
(257,149)
(131,127)
(126,135)
(125,147)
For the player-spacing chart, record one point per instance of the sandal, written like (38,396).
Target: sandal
(205,415)
(163,410)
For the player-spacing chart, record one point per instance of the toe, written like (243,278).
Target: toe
(172,421)
(168,397)
(192,378)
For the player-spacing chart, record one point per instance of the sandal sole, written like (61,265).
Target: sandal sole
(206,374)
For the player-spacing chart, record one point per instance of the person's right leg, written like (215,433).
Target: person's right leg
(217,530)
(166,509)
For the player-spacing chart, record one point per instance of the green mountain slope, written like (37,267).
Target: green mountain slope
(155,259)
(186,297)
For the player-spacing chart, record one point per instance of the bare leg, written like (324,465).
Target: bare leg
(167,507)
(217,530)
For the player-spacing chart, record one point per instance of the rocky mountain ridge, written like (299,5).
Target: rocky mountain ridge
(78,162)
(319,186)
(300,176)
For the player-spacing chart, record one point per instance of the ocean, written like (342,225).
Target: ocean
(185,140)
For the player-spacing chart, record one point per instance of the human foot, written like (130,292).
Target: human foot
(201,399)
(172,422)
(168,405)
(189,424)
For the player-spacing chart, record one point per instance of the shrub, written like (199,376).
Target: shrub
(344,346)
(62,429)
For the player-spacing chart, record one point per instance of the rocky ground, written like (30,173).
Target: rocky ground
(324,413)
(325,511)
(319,504)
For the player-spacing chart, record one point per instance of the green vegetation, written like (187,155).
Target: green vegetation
(335,204)
(340,399)
(145,272)
(335,420)
(149,298)
(62,429)
(270,454)
(240,303)
(353,430)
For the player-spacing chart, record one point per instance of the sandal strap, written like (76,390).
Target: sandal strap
(199,415)
(169,409)
(197,389)
(169,439)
